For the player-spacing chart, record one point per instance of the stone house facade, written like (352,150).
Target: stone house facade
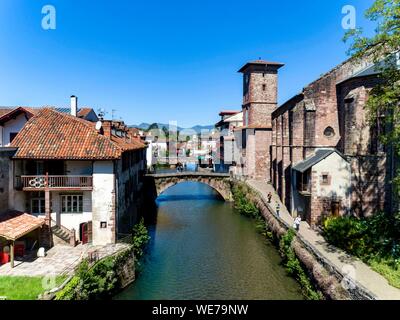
(80,179)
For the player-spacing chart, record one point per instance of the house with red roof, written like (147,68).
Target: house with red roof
(13,119)
(83,179)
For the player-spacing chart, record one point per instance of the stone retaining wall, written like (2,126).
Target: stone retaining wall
(125,273)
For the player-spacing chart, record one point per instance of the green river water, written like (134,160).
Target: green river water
(201,248)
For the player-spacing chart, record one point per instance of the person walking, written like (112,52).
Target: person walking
(296,224)
(278,209)
(269,197)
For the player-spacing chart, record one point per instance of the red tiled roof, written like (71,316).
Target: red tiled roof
(6,116)
(55,135)
(228,112)
(83,112)
(129,143)
(15,224)
(5,110)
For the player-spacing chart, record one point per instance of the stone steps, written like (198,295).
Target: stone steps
(61,234)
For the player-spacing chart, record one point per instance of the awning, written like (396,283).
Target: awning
(15,224)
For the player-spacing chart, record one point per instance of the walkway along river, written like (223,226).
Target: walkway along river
(201,248)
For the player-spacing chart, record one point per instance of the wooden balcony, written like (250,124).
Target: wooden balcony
(54,183)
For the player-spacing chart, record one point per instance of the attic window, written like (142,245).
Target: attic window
(329,132)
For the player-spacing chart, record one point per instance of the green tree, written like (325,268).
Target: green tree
(382,48)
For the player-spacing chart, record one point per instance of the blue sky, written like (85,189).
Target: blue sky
(163,60)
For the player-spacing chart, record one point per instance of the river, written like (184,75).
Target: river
(201,248)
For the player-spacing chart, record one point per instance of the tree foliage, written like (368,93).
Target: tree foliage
(382,48)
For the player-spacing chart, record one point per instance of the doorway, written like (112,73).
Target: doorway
(85,232)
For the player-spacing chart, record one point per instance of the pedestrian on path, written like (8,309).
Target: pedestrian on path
(269,197)
(278,208)
(296,224)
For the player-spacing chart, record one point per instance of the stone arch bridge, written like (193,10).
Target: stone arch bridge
(221,182)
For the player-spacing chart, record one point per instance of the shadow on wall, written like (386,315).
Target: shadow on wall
(369,178)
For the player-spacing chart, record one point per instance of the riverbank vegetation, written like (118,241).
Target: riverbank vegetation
(100,281)
(24,288)
(247,208)
(106,277)
(374,240)
(140,239)
(244,202)
(294,267)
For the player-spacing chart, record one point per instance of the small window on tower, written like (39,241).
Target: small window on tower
(329,132)
(264,87)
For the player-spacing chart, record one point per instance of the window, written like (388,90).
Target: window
(325,179)
(12,136)
(38,206)
(72,203)
(329,132)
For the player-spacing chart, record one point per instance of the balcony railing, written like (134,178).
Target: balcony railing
(33,183)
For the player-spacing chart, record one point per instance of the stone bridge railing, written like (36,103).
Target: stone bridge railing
(221,182)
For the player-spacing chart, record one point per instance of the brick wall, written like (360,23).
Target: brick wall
(302,124)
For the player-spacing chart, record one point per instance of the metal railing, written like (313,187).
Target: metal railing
(54,182)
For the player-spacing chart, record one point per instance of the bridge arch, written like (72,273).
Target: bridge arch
(219,182)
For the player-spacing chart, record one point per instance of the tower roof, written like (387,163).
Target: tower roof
(261,63)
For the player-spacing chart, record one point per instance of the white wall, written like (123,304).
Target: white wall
(76,168)
(340,175)
(103,202)
(71,220)
(149,153)
(339,171)
(14,125)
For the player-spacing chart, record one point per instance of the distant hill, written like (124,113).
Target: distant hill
(197,129)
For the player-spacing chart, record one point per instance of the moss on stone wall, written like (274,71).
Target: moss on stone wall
(102,280)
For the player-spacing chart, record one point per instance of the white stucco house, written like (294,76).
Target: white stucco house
(77,176)
(322,185)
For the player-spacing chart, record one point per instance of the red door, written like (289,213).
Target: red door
(84,233)
(89,231)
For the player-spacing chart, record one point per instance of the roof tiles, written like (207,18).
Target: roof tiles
(54,135)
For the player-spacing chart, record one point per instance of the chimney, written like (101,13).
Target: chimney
(106,128)
(74,105)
